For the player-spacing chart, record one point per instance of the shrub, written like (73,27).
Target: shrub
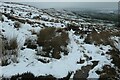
(103,37)
(53,42)
(45,34)
(98,38)
(17,24)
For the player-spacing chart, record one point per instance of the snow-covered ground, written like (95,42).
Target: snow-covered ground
(59,68)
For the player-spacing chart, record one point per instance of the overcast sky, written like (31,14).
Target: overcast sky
(62,0)
(92,4)
(89,5)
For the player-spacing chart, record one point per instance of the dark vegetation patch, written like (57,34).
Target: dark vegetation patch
(83,73)
(103,37)
(108,73)
(82,29)
(98,38)
(115,56)
(73,27)
(53,42)
(16,18)
(30,76)
(87,58)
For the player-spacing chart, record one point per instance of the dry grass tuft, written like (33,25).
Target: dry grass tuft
(1,18)
(12,44)
(9,51)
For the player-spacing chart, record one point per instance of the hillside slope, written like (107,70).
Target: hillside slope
(37,44)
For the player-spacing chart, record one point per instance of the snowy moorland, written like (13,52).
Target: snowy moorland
(44,43)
